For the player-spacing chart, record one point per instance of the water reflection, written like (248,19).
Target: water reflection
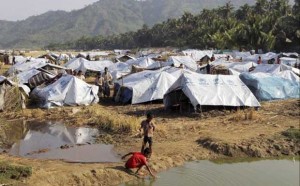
(54,140)
(206,173)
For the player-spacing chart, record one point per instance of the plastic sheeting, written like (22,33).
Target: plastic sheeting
(23,77)
(21,67)
(197,54)
(119,70)
(85,65)
(215,90)
(274,68)
(145,86)
(68,90)
(289,61)
(2,78)
(152,88)
(268,87)
(238,55)
(288,74)
(187,61)
(264,57)
(144,62)
(96,66)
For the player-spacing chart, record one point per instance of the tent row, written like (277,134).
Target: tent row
(174,80)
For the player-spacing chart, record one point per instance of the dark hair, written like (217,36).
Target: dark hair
(149,115)
(146,151)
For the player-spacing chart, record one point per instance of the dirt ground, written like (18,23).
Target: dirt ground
(180,137)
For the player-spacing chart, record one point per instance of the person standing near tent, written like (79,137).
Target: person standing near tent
(278,60)
(212,58)
(208,66)
(259,61)
(138,160)
(148,128)
(107,79)
(99,82)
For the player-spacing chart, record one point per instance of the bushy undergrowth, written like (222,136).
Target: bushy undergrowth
(10,172)
(292,134)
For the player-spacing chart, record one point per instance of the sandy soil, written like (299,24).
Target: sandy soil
(179,138)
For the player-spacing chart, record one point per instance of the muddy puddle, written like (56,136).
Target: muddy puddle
(207,173)
(54,140)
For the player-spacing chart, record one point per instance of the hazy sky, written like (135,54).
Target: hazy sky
(13,10)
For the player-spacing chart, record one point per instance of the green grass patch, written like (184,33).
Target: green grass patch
(292,134)
(10,173)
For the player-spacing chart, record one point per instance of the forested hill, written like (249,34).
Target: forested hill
(104,17)
(267,25)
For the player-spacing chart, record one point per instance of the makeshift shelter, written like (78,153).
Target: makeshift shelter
(75,63)
(124,58)
(264,57)
(51,57)
(119,70)
(239,55)
(67,90)
(210,90)
(291,55)
(81,64)
(290,61)
(197,55)
(39,79)
(274,68)
(144,62)
(269,87)
(28,65)
(187,61)
(12,96)
(144,86)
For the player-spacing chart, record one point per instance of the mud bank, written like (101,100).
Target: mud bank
(179,138)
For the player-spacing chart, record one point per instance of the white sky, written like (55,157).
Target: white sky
(13,10)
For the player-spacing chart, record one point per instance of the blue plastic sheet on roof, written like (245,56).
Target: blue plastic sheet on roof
(271,88)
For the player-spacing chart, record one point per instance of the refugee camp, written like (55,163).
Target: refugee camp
(150,92)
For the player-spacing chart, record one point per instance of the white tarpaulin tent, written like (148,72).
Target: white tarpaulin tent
(295,54)
(264,57)
(197,54)
(146,86)
(75,63)
(274,68)
(144,62)
(187,61)
(216,90)
(241,66)
(152,88)
(286,74)
(96,66)
(85,65)
(68,90)
(21,67)
(238,55)
(20,59)
(119,69)
(289,61)
(23,77)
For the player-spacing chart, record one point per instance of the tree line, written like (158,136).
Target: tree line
(267,25)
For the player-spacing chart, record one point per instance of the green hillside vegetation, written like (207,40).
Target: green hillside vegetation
(105,17)
(267,25)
